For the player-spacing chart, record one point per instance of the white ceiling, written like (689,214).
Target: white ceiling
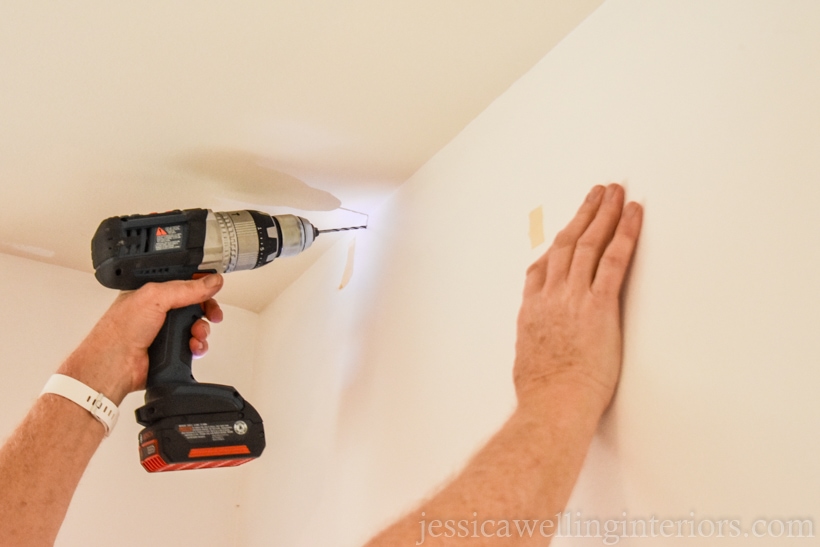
(112,108)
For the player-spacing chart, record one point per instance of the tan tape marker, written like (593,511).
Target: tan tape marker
(348,273)
(536,227)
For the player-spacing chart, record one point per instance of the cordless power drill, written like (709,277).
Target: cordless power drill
(192,425)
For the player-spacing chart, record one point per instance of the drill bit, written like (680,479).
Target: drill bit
(366,222)
(342,229)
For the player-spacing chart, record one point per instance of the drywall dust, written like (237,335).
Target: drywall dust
(250,178)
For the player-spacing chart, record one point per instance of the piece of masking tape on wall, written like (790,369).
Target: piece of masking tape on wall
(536,227)
(348,273)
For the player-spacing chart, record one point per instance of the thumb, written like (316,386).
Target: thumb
(178,294)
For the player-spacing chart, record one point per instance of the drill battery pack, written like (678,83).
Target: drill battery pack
(178,435)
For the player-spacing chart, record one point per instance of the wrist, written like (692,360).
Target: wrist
(573,400)
(103,373)
(97,404)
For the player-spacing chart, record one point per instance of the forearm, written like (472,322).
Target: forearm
(43,460)
(568,358)
(526,471)
(41,464)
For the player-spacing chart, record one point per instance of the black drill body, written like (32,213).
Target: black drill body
(192,425)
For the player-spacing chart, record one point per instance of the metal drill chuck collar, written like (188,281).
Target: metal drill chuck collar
(297,234)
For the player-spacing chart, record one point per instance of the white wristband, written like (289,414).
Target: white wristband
(96,403)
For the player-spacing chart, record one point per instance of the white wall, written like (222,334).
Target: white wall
(375,394)
(46,312)
(709,112)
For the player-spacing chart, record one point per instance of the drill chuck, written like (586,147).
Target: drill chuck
(242,240)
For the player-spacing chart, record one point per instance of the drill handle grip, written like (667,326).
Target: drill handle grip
(169,356)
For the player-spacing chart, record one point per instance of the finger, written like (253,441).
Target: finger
(178,294)
(198,347)
(564,244)
(212,310)
(596,237)
(200,330)
(616,258)
(536,275)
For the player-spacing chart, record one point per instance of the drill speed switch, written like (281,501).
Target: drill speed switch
(188,424)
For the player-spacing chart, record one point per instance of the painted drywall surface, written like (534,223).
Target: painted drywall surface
(47,310)
(709,114)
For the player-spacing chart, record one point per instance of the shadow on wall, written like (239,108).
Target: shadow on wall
(250,178)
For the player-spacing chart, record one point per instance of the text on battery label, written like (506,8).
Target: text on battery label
(203,431)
